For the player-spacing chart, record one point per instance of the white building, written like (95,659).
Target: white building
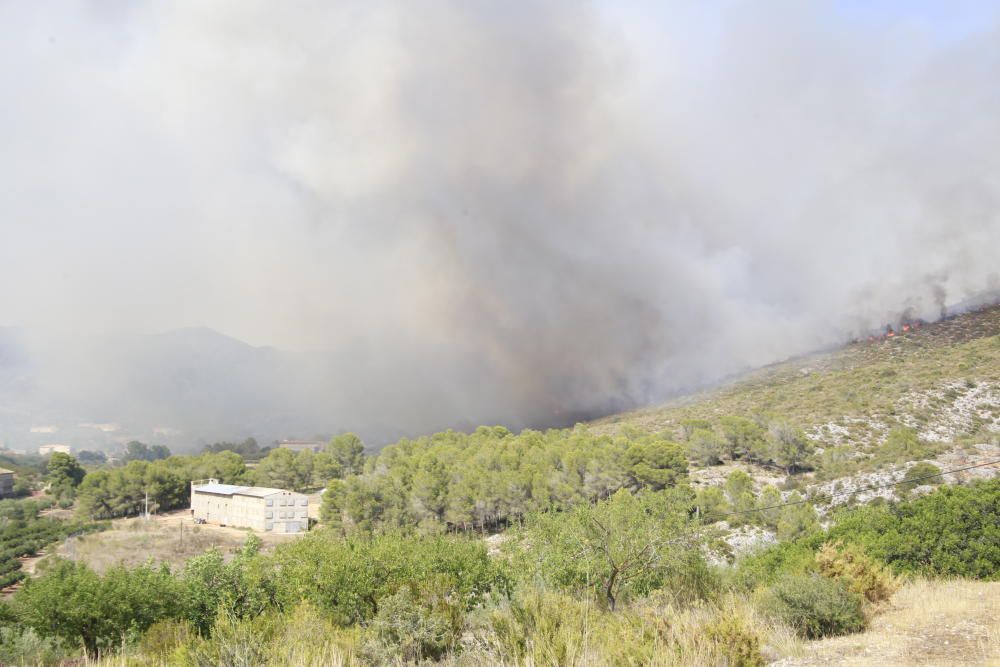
(45,450)
(302,445)
(259,508)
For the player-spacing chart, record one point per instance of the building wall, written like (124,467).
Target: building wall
(280,512)
(228,510)
(6,484)
(296,447)
(290,517)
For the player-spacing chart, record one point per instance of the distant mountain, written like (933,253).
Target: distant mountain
(181,387)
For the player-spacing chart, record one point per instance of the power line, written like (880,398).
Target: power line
(717,516)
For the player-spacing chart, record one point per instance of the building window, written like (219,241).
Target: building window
(303,502)
(302,514)
(268,526)
(270,515)
(270,502)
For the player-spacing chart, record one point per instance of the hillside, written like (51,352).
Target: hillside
(942,380)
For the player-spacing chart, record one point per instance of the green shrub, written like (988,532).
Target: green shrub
(688,578)
(815,606)
(618,549)
(689,426)
(953,532)
(346,577)
(903,444)
(705,447)
(914,476)
(795,520)
(407,628)
(711,505)
(764,567)
(74,603)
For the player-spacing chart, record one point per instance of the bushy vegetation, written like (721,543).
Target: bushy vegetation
(954,531)
(623,578)
(626,546)
(815,605)
(923,473)
(347,577)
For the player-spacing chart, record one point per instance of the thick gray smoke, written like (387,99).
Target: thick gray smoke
(446,213)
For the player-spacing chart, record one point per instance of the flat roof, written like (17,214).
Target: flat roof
(233,490)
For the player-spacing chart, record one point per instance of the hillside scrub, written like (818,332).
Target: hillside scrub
(853,397)
(922,473)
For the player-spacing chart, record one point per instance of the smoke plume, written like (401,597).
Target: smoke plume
(448,213)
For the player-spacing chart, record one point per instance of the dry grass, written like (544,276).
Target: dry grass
(171,538)
(929,623)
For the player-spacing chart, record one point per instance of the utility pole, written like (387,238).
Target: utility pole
(146,512)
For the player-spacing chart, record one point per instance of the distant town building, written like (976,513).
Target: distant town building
(45,450)
(259,508)
(302,445)
(44,429)
(104,428)
(6,483)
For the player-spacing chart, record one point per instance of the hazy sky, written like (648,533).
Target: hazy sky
(504,210)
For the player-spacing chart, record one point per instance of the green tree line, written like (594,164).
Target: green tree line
(490,477)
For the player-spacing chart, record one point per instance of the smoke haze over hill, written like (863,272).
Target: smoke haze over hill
(449,213)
